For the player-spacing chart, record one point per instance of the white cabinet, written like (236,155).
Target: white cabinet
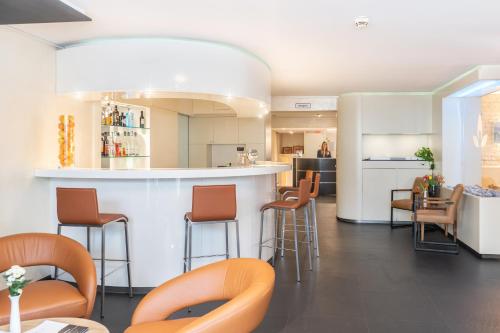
(198,157)
(378,183)
(377,186)
(251,130)
(201,130)
(396,114)
(225,130)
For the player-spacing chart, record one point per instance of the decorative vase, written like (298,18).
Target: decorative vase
(15,317)
(434,191)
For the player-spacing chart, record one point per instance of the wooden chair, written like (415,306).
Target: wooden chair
(437,211)
(405,204)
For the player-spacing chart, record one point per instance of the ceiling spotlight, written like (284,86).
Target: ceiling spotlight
(291,132)
(262,105)
(361,22)
(179,78)
(266,111)
(319,115)
(259,116)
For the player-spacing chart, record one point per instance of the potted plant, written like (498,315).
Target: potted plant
(425,153)
(15,280)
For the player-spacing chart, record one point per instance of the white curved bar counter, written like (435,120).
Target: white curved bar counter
(155,201)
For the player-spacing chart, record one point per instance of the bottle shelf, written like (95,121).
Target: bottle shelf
(124,127)
(138,156)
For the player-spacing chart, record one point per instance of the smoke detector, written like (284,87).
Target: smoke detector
(361,22)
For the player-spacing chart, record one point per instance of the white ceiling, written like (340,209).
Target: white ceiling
(312,46)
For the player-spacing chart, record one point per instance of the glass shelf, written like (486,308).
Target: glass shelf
(140,156)
(124,127)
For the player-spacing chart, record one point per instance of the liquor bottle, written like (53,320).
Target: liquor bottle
(142,120)
(103,141)
(111,146)
(116,116)
(131,120)
(109,115)
(122,120)
(103,115)
(132,144)
(125,144)
(118,148)
(127,118)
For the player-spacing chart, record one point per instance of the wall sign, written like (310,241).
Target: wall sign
(302,105)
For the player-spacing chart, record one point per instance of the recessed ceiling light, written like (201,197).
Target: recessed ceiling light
(361,22)
(179,78)
(259,116)
(291,132)
(319,115)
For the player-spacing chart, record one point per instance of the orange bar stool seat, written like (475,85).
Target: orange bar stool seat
(211,204)
(246,284)
(292,206)
(78,207)
(293,195)
(49,298)
(282,190)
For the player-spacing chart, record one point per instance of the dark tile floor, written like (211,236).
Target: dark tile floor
(369,279)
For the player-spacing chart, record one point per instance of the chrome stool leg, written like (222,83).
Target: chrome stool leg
(308,235)
(88,239)
(227,240)
(237,237)
(127,252)
(283,224)
(185,244)
(275,236)
(190,245)
(315,226)
(103,275)
(56,269)
(297,262)
(261,232)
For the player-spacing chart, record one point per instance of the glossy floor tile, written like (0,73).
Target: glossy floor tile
(369,279)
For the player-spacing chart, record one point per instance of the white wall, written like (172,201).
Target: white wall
(183,141)
(314,140)
(164,139)
(461,160)
(393,145)
(349,150)
(29,109)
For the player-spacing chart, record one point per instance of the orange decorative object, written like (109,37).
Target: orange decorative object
(66,140)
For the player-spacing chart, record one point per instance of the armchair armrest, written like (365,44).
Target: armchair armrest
(195,287)
(399,190)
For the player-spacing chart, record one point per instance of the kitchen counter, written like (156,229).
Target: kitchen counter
(155,201)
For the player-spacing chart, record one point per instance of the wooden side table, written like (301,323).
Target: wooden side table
(94,327)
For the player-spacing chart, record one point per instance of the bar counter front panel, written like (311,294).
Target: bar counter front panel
(327,167)
(156,208)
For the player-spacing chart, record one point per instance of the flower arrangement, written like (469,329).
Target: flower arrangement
(15,280)
(425,153)
(432,184)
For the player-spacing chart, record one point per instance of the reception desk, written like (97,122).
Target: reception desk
(327,167)
(155,200)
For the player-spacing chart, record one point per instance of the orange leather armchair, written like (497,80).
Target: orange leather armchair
(49,298)
(247,284)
